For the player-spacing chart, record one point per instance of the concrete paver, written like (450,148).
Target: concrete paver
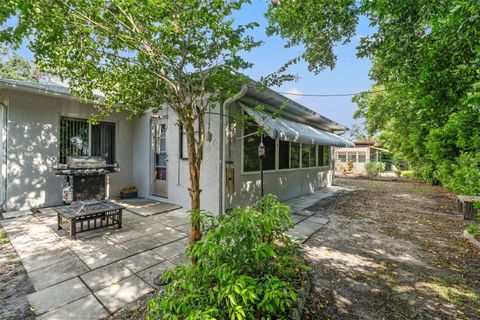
(87,308)
(142,261)
(57,296)
(106,276)
(56,273)
(149,274)
(123,292)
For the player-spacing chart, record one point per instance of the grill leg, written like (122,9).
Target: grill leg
(73,229)
(59,222)
(120,219)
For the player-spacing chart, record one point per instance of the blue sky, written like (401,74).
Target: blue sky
(349,76)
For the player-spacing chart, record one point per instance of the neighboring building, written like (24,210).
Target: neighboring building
(362,153)
(42,124)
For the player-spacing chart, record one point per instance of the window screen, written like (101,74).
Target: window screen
(284,155)
(103,141)
(251,162)
(320,155)
(326,156)
(294,155)
(308,155)
(74,139)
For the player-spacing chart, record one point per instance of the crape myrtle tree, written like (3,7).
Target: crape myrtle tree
(142,55)
(425,55)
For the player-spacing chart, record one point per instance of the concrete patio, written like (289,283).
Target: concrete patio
(106,269)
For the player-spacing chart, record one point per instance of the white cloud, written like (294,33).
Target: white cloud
(294,94)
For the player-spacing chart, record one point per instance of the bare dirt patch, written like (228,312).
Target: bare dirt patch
(392,250)
(14,283)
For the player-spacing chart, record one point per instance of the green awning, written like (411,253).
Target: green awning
(289,130)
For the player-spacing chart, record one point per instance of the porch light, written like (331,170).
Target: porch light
(261,150)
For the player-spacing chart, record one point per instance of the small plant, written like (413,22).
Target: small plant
(350,166)
(374,168)
(474,229)
(129,190)
(246,268)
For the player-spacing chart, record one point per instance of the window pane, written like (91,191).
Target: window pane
(283,154)
(305,155)
(312,156)
(320,156)
(326,156)
(342,157)
(294,155)
(73,138)
(352,156)
(361,157)
(269,160)
(103,141)
(250,150)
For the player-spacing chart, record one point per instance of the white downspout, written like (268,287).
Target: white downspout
(223,107)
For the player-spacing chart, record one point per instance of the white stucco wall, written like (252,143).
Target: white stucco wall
(285,184)
(33,133)
(177,171)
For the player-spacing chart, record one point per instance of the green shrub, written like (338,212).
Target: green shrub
(246,269)
(374,168)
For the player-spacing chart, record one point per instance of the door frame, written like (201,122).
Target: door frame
(162,119)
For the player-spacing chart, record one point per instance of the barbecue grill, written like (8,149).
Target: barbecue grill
(86,175)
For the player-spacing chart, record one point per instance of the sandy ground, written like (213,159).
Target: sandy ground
(14,283)
(392,250)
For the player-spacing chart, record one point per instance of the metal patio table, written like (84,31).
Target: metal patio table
(82,216)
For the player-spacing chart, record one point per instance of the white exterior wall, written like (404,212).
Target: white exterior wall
(285,184)
(177,171)
(33,134)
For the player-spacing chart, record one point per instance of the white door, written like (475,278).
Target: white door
(159,157)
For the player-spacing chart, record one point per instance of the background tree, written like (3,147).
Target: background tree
(13,66)
(145,54)
(426,56)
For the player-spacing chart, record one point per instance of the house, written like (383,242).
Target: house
(42,124)
(360,154)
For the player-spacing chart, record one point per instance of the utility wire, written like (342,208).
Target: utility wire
(330,95)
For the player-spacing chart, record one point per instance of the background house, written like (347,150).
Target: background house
(362,153)
(42,124)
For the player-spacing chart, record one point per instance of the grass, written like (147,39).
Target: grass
(3,236)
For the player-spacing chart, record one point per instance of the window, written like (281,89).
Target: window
(294,155)
(182,148)
(361,157)
(103,141)
(342,157)
(352,156)
(308,155)
(75,137)
(283,154)
(251,162)
(326,156)
(320,155)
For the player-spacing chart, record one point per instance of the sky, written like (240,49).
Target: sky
(349,76)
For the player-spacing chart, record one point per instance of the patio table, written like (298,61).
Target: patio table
(88,215)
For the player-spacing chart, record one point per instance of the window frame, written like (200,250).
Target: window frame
(89,147)
(316,165)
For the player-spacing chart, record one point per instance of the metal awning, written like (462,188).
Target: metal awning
(289,130)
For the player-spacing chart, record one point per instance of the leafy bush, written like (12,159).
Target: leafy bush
(246,269)
(374,168)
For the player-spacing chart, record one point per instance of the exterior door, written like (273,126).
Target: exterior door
(160,158)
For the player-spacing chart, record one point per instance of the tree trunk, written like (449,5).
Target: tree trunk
(194,164)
